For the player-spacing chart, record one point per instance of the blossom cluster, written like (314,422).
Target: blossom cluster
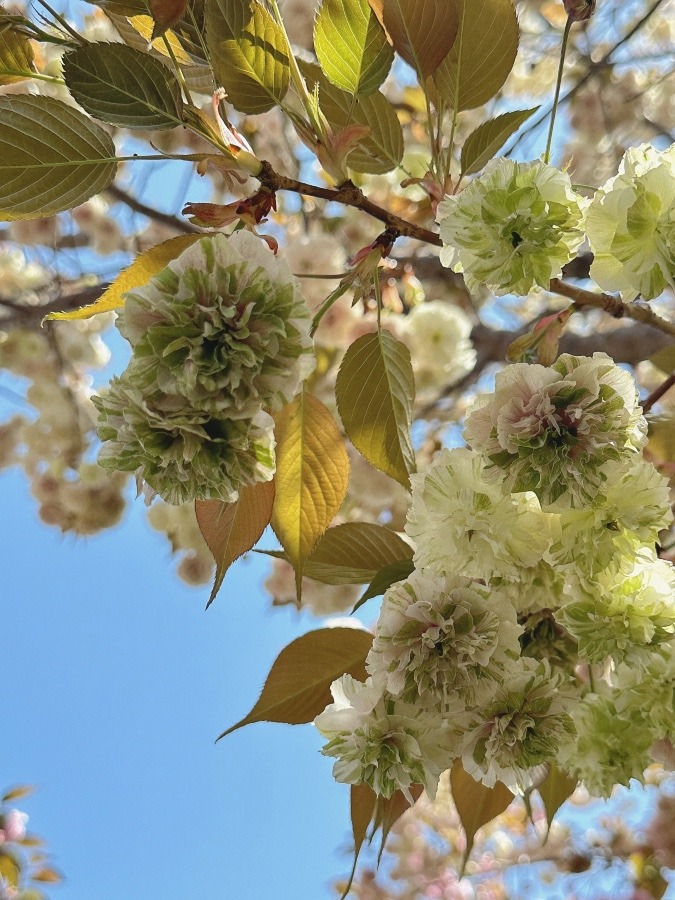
(539,622)
(220,339)
(514,227)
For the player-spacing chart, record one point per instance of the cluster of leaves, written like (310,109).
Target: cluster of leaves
(24,864)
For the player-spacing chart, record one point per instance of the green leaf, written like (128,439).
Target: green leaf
(123,86)
(52,157)
(482,144)
(16,57)
(311,478)
(16,793)
(230,529)
(379,151)
(351,46)
(476,804)
(384,579)
(664,359)
(483,54)
(353,553)
(374,390)
(422,31)
(248,52)
(297,688)
(557,787)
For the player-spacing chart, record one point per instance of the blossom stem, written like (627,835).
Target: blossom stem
(556,97)
(658,392)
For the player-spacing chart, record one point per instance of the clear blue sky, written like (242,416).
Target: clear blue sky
(115,685)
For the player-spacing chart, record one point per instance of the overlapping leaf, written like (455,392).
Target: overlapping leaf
(141,270)
(230,529)
(375,389)
(351,46)
(248,52)
(123,86)
(483,53)
(483,143)
(16,57)
(421,31)
(354,552)
(557,787)
(52,157)
(381,150)
(297,688)
(382,580)
(166,14)
(311,478)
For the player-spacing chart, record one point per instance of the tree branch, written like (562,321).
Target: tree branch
(137,206)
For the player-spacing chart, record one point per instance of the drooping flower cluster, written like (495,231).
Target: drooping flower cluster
(220,337)
(535,563)
(513,228)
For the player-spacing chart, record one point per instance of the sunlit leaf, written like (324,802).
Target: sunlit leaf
(483,143)
(381,150)
(354,552)
(384,579)
(557,787)
(311,478)
(375,389)
(351,46)
(483,54)
(166,14)
(249,54)
(145,26)
(123,86)
(47,876)
(141,270)
(16,57)
(16,793)
(52,157)
(297,688)
(9,867)
(230,529)
(422,31)
(476,804)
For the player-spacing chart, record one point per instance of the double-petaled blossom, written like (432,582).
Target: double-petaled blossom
(512,228)
(631,225)
(551,429)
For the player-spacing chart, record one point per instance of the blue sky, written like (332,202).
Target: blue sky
(116,683)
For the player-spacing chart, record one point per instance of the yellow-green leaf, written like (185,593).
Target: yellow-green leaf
(664,359)
(123,86)
(482,144)
(297,688)
(476,804)
(662,438)
(47,876)
(375,389)
(141,270)
(52,157)
(483,54)
(16,793)
(354,552)
(351,46)
(10,870)
(557,787)
(311,478)
(230,529)
(16,57)
(381,150)
(249,54)
(422,31)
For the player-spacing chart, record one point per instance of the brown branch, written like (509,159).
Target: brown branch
(348,194)
(658,392)
(613,305)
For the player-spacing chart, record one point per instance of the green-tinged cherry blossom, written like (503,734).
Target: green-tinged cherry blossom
(551,429)
(628,513)
(611,744)
(624,614)
(442,636)
(461,522)
(520,728)
(224,325)
(181,453)
(650,691)
(512,228)
(631,225)
(439,337)
(383,742)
